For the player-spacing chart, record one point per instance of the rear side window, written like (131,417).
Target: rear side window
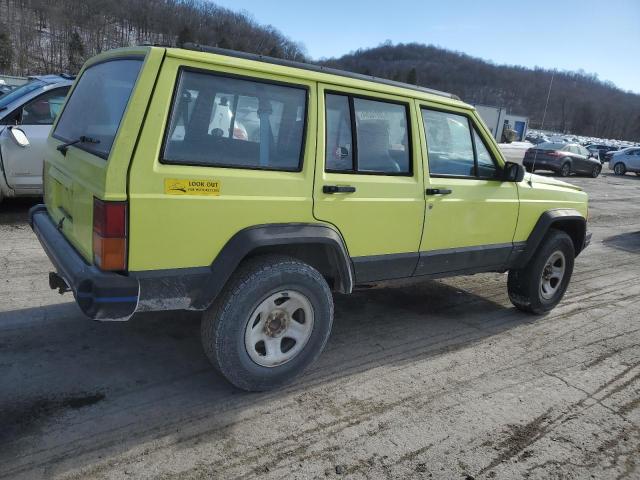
(455,148)
(366,136)
(222,121)
(97,104)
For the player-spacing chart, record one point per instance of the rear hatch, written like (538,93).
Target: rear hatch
(99,122)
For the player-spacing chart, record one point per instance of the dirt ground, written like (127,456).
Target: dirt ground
(442,379)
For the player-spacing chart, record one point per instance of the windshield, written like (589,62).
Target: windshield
(18,92)
(97,104)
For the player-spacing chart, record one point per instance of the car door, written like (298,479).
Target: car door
(471,213)
(368,180)
(23,165)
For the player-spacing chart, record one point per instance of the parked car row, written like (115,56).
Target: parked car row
(26,116)
(602,149)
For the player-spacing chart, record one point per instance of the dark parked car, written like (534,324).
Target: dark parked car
(601,150)
(562,158)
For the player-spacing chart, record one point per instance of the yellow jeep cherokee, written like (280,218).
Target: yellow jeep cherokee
(250,188)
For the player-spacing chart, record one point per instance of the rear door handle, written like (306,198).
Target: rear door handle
(438,191)
(338,189)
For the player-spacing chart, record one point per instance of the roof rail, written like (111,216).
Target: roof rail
(313,68)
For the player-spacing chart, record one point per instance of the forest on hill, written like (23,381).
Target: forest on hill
(38,36)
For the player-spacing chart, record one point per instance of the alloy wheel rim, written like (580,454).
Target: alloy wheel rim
(279,328)
(552,275)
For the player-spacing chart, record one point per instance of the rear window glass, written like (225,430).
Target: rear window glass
(97,105)
(222,121)
(551,146)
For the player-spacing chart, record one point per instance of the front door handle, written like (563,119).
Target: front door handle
(438,191)
(338,189)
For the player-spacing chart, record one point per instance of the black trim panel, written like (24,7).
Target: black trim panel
(484,258)
(550,218)
(384,267)
(196,288)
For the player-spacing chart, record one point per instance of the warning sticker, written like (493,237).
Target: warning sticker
(174,186)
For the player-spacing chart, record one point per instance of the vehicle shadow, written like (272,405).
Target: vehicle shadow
(629,242)
(16,210)
(65,379)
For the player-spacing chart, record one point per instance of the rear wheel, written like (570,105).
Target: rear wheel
(565,170)
(540,285)
(269,324)
(619,168)
(596,171)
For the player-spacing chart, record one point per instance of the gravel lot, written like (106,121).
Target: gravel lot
(440,379)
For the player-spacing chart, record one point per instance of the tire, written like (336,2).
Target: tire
(595,172)
(619,168)
(232,328)
(565,170)
(526,286)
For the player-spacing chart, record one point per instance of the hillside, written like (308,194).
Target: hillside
(579,103)
(38,36)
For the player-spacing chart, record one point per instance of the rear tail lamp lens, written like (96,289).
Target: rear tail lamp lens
(110,235)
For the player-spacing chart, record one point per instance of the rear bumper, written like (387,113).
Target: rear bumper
(100,295)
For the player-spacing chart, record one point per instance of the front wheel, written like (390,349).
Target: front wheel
(269,324)
(540,285)
(596,171)
(619,168)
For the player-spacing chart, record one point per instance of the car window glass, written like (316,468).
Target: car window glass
(97,104)
(338,151)
(449,147)
(44,109)
(382,138)
(233,122)
(486,166)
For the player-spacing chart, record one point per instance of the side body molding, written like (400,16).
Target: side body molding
(196,288)
(566,219)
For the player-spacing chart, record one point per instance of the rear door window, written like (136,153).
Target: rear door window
(366,136)
(97,104)
(223,121)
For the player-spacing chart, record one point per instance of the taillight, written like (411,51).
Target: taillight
(110,235)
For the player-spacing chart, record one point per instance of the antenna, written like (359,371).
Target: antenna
(544,115)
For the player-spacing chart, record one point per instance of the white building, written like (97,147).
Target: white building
(497,117)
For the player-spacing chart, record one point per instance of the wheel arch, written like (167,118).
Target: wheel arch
(318,245)
(567,220)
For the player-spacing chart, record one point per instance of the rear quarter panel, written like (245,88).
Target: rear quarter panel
(178,231)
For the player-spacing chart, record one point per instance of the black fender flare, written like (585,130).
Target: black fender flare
(562,218)
(196,288)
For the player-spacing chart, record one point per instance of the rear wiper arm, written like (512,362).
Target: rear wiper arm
(83,139)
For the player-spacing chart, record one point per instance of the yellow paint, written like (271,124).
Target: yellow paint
(169,228)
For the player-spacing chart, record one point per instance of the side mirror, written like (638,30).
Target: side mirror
(19,137)
(513,172)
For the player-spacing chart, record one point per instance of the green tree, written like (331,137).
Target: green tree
(6,51)
(76,52)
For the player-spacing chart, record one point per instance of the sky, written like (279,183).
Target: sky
(601,37)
